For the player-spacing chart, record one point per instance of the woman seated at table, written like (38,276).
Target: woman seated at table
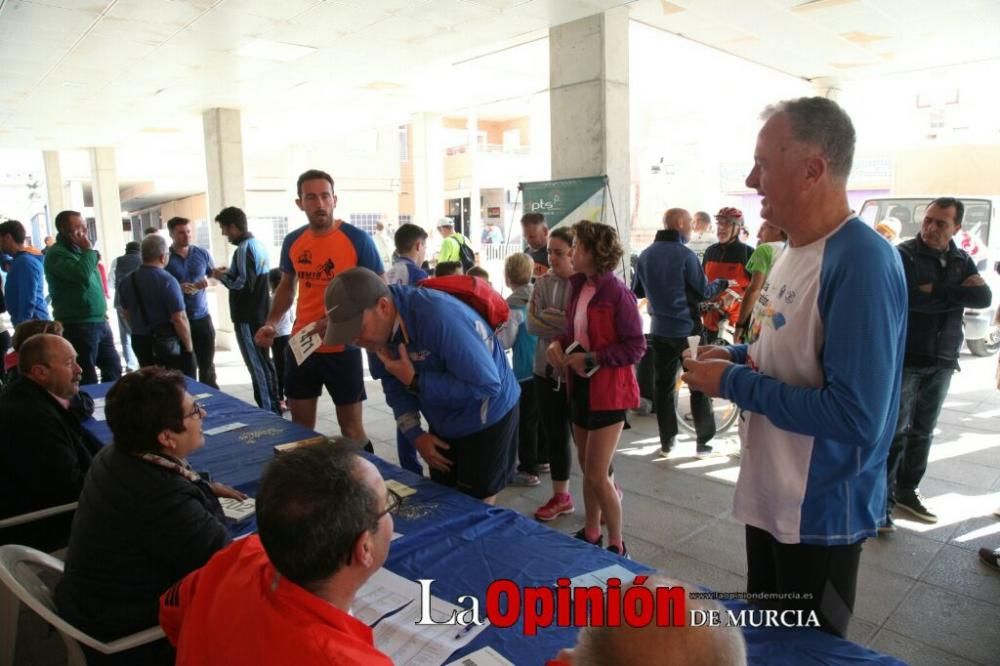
(146,518)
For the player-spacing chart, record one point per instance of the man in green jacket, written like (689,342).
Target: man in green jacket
(78,299)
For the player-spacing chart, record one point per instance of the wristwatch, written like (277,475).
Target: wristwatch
(414,385)
(589,363)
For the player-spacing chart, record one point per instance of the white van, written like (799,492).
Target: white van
(980,237)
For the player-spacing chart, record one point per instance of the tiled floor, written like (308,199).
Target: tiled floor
(923,596)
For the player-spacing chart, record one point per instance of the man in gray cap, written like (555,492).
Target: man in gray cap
(435,356)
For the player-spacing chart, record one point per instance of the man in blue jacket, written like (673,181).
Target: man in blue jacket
(669,275)
(437,357)
(25,287)
(819,386)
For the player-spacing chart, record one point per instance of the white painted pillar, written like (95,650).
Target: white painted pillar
(107,204)
(475,210)
(226,187)
(54,187)
(428,170)
(589,106)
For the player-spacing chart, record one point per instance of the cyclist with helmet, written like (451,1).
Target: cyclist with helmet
(726,259)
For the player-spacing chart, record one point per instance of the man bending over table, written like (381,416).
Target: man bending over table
(284,595)
(437,357)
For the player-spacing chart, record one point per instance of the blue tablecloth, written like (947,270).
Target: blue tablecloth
(464,544)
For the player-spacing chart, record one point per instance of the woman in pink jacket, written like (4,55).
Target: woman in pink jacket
(597,354)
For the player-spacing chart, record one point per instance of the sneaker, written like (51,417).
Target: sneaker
(703,449)
(525,480)
(991,557)
(667,446)
(544,468)
(914,503)
(579,534)
(888,526)
(645,407)
(620,553)
(555,507)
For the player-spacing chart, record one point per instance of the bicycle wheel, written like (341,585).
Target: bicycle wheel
(725,412)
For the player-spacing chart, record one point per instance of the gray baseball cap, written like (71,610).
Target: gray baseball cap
(347,297)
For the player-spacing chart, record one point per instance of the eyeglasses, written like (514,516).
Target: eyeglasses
(393,501)
(196,410)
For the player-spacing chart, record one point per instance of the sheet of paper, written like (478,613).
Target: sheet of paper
(599,577)
(486,656)
(401,489)
(304,343)
(218,430)
(202,396)
(238,510)
(396,535)
(98,414)
(392,604)
(99,402)
(383,593)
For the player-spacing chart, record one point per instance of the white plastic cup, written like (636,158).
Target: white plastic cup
(693,342)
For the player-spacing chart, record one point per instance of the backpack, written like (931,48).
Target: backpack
(465,253)
(474,292)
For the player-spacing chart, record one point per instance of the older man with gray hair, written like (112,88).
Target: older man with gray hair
(153,303)
(819,386)
(687,645)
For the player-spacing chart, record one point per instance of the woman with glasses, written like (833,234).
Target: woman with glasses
(145,518)
(546,320)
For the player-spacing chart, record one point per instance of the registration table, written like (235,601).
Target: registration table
(464,545)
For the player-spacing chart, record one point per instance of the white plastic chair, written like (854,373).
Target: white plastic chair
(37,515)
(22,584)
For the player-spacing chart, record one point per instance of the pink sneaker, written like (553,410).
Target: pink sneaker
(554,508)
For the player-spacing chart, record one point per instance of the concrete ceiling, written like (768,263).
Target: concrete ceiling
(137,74)
(844,39)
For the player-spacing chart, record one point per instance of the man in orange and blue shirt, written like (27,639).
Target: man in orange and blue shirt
(311,257)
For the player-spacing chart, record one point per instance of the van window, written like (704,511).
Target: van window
(910,213)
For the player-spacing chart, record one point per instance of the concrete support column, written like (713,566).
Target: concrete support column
(54,188)
(428,170)
(589,106)
(475,210)
(226,187)
(826,86)
(107,204)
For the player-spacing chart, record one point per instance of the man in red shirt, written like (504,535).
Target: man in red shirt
(284,596)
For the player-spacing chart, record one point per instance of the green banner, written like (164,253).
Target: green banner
(569,200)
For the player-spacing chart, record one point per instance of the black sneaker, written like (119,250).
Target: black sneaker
(990,557)
(914,503)
(620,553)
(704,449)
(583,537)
(888,526)
(667,446)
